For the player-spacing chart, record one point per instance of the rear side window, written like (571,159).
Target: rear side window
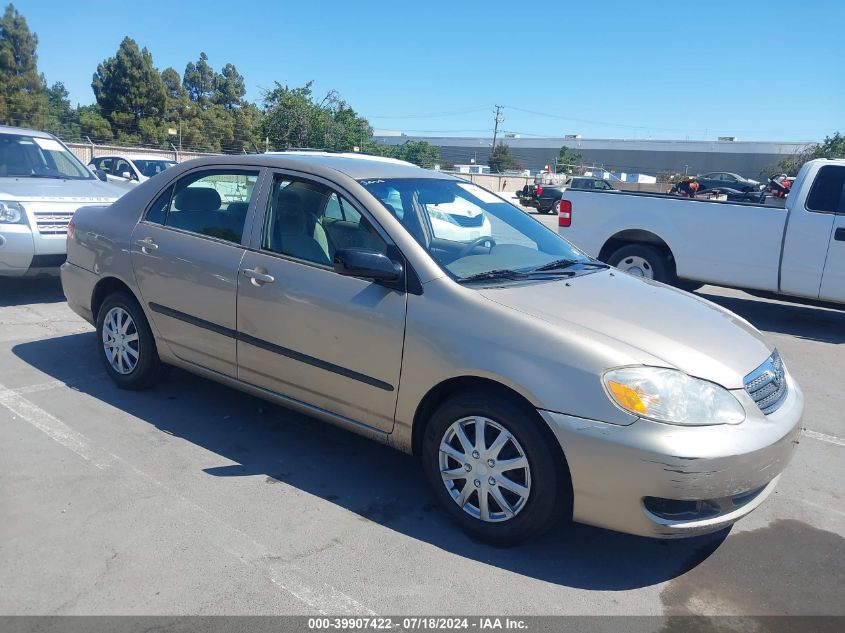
(157,212)
(828,192)
(212,203)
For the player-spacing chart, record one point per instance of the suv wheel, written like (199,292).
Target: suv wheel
(126,344)
(492,469)
(642,260)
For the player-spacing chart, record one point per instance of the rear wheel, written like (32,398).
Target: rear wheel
(126,344)
(492,469)
(642,260)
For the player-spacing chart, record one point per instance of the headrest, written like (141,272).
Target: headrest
(288,198)
(197,199)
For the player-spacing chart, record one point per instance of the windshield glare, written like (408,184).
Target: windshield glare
(468,230)
(34,157)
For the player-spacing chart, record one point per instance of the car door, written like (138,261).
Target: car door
(830,194)
(186,252)
(306,332)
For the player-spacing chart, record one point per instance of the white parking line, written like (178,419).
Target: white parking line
(823,437)
(322,597)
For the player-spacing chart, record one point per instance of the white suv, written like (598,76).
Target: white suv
(129,170)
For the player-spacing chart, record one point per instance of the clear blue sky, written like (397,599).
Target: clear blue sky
(757,69)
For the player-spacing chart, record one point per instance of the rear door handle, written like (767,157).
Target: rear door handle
(839,235)
(257,277)
(147,244)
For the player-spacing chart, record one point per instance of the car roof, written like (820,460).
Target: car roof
(22,131)
(353,165)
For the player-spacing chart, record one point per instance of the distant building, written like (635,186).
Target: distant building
(631,156)
(472,169)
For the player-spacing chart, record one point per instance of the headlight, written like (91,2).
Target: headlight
(12,213)
(671,396)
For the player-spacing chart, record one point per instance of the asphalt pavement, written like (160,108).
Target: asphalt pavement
(193,498)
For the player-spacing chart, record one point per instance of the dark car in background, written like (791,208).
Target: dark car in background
(727,180)
(543,197)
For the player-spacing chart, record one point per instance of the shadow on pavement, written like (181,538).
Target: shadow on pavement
(377,483)
(23,290)
(807,322)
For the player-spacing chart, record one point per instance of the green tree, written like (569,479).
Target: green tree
(23,91)
(64,119)
(229,87)
(831,147)
(129,89)
(501,159)
(292,118)
(199,81)
(93,125)
(566,160)
(420,153)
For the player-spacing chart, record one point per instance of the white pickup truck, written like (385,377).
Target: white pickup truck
(796,251)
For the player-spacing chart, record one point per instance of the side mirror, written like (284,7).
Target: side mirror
(127,175)
(366,264)
(99,173)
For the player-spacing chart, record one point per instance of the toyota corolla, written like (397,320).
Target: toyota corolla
(534,383)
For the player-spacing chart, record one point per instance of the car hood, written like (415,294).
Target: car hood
(680,329)
(58,189)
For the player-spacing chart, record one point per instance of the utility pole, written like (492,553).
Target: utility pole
(499,119)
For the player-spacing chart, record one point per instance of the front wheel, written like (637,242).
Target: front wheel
(492,469)
(642,260)
(126,344)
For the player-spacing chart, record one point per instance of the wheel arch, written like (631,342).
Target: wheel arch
(105,287)
(634,236)
(451,386)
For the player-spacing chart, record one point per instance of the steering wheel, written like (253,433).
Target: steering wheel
(466,250)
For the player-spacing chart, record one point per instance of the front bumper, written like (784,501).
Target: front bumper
(23,252)
(637,478)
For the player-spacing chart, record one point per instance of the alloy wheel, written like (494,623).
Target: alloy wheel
(485,469)
(120,341)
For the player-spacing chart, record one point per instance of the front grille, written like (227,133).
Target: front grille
(52,222)
(767,384)
(466,220)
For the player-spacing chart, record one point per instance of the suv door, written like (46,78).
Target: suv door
(306,332)
(185,252)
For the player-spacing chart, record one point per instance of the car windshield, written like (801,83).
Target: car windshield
(470,231)
(150,167)
(34,157)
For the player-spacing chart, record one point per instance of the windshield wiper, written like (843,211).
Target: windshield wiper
(566,263)
(503,273)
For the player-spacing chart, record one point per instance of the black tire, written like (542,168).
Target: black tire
(149,367)
(655,260)
(550,491)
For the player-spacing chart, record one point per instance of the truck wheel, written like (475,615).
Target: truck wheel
(642,260)
(126,344)
(492,469)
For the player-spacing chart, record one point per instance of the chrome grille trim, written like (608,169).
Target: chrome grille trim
(767,384)
(52,222)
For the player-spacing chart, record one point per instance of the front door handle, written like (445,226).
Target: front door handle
(257,277)
(147,244)
(839,235)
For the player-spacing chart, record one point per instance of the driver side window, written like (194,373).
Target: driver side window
(309,221)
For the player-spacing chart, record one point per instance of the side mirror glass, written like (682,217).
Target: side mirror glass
(353,262)
(99,173)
